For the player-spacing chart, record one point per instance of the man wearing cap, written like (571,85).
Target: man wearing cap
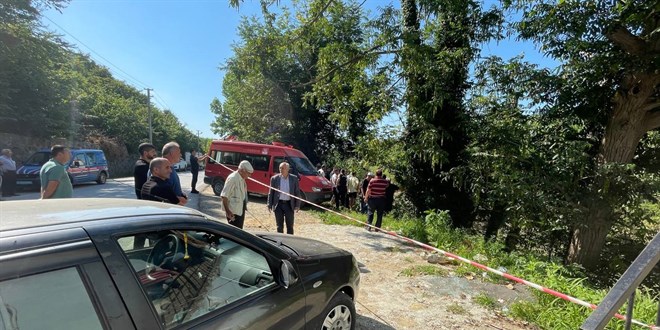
(147,153)
(234,194)
(283,204)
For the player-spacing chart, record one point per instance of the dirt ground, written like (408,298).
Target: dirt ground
(388,299)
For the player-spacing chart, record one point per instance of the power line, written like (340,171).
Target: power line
(95,52)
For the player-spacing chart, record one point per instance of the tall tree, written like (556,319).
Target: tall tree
(610,77)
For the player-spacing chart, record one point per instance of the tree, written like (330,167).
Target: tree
(610,78)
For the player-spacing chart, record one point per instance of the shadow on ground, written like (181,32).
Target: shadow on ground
(368,323)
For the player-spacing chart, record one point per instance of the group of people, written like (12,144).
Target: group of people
(155,180)
(375,193)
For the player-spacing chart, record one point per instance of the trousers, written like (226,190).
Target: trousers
(284,213)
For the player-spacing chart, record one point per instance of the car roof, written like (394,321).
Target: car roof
(259,147)
(39,213)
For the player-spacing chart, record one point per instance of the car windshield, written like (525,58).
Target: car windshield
(303,166)
(38,159)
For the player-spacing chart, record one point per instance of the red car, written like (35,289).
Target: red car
(265,160)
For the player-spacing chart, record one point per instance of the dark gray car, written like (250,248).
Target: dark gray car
(127,264)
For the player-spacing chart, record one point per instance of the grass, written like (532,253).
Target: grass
(546,311)
(485,301)
(420,270)
(456,309)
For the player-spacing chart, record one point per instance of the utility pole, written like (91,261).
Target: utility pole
(151,140)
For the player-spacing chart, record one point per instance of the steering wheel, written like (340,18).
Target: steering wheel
(164,252)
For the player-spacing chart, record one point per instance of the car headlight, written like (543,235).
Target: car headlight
(316,189)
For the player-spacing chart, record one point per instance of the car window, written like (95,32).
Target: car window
(276,164)
(91,158)
(259,162)
(53,300)
(38,159)
(187,274)
(80,158)
(230,158)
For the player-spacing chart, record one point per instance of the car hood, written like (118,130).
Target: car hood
(29,169)
(303,247)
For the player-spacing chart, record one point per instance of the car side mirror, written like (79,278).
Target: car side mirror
(288,276)
(75,163)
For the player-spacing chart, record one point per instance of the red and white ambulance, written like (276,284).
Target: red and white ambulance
(265,159)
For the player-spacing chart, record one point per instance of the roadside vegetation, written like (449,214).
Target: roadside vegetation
(546,311)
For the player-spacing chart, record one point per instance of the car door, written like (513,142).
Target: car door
(260,164)
(64,286)
(93,169)
(78,168)
(203,276)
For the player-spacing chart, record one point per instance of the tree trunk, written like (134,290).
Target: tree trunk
(626,126)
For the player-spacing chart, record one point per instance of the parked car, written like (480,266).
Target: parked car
(86,165)
(265,160)
(130,264)
(182,165)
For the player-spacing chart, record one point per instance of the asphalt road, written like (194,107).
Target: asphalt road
(117,188)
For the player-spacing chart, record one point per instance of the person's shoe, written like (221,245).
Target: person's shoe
(368,228)
(194,192)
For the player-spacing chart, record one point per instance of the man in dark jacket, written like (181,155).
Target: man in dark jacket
(147,153)
(284,205)
(157,188)
(194,169)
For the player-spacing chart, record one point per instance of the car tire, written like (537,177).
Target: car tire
(339,314)
(103,177)
(217,186)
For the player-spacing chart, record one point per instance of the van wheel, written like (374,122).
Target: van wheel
(217,186)
(102,178)
(340,313)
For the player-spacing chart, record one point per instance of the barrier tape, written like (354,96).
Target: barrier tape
(453,256)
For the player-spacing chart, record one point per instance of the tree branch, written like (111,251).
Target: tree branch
(627,41)
(652,120)
(345,64)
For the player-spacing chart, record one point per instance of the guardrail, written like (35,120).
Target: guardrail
(624,289)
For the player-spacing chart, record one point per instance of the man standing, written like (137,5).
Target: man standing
(172,152)
(8,171)
(55,182)
(363,192)
(283,204)
(376,198)
(353,183)
(342,189)
(157,188)
(234,194)
(140,171)
(194,169)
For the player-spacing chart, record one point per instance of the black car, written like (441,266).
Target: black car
(128,264)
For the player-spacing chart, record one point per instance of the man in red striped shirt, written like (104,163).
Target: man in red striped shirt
(375,198)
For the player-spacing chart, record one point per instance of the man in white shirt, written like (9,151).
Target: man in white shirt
(234,194)
(8,169)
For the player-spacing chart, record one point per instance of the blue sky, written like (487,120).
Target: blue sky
(176,46)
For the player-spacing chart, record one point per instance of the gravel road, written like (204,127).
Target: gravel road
(388,299)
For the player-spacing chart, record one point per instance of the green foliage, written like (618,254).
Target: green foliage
(48,90)
(485,300)
(421,270)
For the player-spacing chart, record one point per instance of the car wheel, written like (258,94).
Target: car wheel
(102,178)
(217,186)
(340,313)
